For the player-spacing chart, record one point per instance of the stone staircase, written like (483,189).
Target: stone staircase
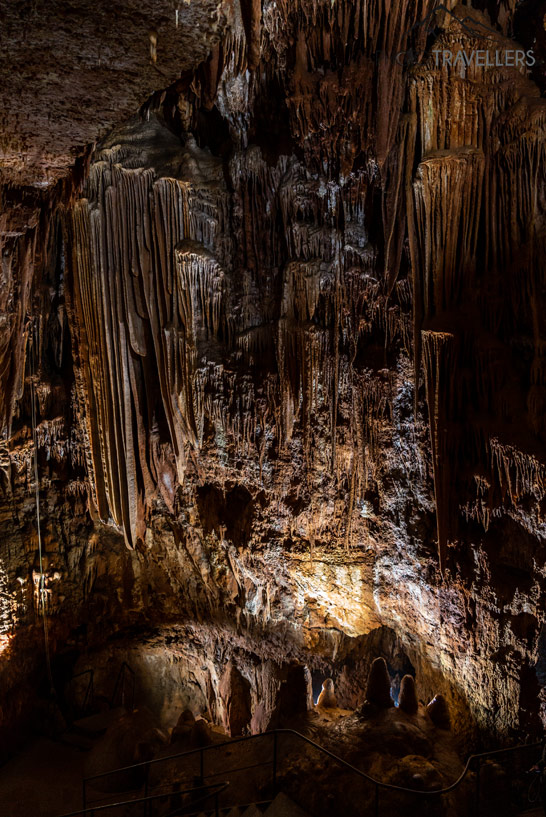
(282,806)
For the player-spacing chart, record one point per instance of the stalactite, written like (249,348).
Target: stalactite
(18,246)
(360,42)
(518,473)
(281,272)
(448,191)
(252,267)
(141,311)
(439,354)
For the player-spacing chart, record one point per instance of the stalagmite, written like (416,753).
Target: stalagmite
(378,690)
(184,727)
(438,712)
(327,697)
(200,734)
(408,700)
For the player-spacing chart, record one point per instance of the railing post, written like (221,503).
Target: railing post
(478,788)
(275,761)
(376,800)
(146,789)
(202,765)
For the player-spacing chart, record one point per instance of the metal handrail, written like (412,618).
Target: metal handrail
(377,783)
(260,804)
(188,752)
(393,787)
(220,787)
(90,689)
(120,685)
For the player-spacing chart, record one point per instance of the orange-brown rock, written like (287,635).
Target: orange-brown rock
(184,727)
(327,697)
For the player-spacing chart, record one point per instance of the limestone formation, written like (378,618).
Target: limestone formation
(240,703)
(438,712)
(272,307)
(200,734)
(294,699)
(327,698)
(408,700)
(184,727)
(378,691)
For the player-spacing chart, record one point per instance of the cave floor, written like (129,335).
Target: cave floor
(43,779)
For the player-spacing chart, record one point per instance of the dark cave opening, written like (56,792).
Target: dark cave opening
(318,679)
(228,513)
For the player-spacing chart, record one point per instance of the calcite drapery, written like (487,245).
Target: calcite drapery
(146,287)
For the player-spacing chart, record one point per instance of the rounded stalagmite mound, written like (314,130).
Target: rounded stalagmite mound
(200,734)
(378,691)
(327,698)
(183,729)
(408,701)
(438,711)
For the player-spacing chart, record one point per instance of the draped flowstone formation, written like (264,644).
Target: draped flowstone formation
(291,353)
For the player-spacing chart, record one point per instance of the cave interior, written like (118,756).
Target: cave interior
(272,406)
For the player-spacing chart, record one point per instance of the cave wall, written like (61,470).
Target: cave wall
(290,356)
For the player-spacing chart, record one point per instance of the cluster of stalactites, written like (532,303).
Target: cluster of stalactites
(330,110)
(18,247)
(472,210)
(141,303)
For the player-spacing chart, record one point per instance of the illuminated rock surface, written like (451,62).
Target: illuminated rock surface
(234,297)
